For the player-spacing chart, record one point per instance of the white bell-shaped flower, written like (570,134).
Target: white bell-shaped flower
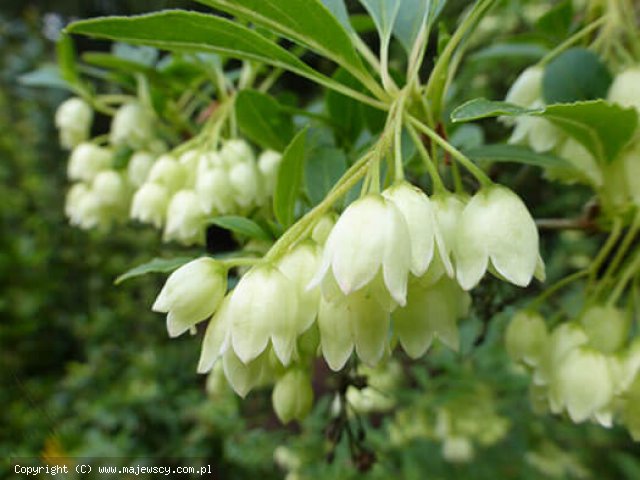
(357,320)
(190,161)
(606,326)
(217,337)
(236,151)
(625,89)
(268,164)
(132,125)
(526,338)
(139,167)
(191,294)
(110,188)
(496,227)
(420,218)
(214,191)
(169,173)
(564,339)
(73,119)
(262,308)
(584,383)
(245,376)
(585,163)
(88,212)
(370,236)
(149,204)
(292,396)
(185,219)
(527,89)
(244,182)
(74,198)
(432,311)
(87,160)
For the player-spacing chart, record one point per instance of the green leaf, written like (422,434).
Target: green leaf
(412,15)
(195,32)
(323,168)
(262,119)
(66,54)
(482,108)
(384,13)
(339,10)
(45,76)
(557,21)
(308,22)
(111,62)
(143,55)
(346,113)
(574,75)
(603,128)
(516,154)
(289,179)
(157,265)
(242,226)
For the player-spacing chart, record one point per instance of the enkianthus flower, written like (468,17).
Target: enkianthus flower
(263,310)
(191,294)
(149,204)
(359,320)
(73,119)
(139,166)
(190,161)
(169,173)
(268,164)
(236,151)
(625,88)
(527,89)
(496,230)
(244,181)
(323,228)
(243,377)
(585,164)
(432,311)
(607,327)
(111,190)
(185,219)
(214,192)
(83,208)
(132,125)
(526,338)
(370,237)
(292,395)
(87,160)
(447,208)
(420,218)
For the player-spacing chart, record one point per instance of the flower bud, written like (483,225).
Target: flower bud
(526,338)
(191,294)
(110,188)
(149,204)
(87,160)
(496,227)
(168,172)
(185,219)
(583,383)
(606,326)
(132,125)
(262,308)
(243,377)
(139,167)
(268,164)
(244,182)
(527,89)
(431,311)
(73,119)
(292,396)
(370,236)
(214,191)
(625,89)
(236,151)
(424,233)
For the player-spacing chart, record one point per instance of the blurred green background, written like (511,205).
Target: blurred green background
(86,370)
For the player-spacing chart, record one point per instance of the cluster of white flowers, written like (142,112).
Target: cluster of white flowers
(618,181)
(460,424)
(588,367)
(395,263)
(176,193)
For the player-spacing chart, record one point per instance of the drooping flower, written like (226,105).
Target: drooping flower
(526,338)
(263,309)
(149,204)
(169,173)
(185,219)
(420,218)
(191,294)
(73,119)
(139,167)
(132,125)
(371,236)
(268,164)
(496,228)
(87,160)
(625,88)
(292,395)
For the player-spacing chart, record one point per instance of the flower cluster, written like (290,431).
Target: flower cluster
(395,266)
(173,192)
(587,367)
